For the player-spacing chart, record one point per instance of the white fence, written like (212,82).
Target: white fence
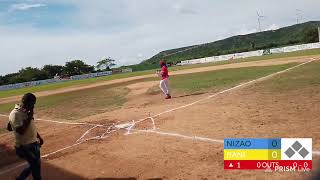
(187,62)
(91,75)
(251,54)
(28,84)
(295,48)
(48,81)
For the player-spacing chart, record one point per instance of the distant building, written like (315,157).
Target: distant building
(116,70)
(121,70)
(125,70)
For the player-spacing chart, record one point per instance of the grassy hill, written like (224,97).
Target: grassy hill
(291,35)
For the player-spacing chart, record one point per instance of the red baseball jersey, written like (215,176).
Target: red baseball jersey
(164,72)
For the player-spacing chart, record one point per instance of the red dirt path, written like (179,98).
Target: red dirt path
(245,112)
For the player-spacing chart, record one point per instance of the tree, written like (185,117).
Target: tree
(52,70)
(2,80)
(24,75)
(8,79)
(105,64)
(32,74)
(77,67)
(310,35)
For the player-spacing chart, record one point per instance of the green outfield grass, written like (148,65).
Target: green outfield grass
(257,58)
(217,80)
(60,85)
(72,106)
(65,84)
(83,103)
(306,76)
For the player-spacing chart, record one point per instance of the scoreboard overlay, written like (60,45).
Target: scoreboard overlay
(276,154)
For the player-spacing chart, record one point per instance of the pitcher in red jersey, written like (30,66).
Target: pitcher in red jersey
(164,83)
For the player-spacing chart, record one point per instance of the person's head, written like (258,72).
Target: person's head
(28,101)
(162,63)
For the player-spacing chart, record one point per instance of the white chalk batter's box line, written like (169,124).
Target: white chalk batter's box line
(129,127)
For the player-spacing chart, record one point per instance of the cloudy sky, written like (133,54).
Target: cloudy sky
(39,32)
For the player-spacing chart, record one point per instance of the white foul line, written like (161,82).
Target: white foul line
(195,138)
(49,154)
(233,88)
(60,122)
(84,134)
(133,123)
(129,126)
(70,123)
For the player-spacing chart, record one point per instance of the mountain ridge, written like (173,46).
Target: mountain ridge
(290,35)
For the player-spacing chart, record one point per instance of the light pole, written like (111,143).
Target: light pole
(298,15)
(259,20)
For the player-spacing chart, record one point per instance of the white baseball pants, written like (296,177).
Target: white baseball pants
(164,86)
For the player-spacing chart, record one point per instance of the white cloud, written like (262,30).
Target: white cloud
(180,9)
(24,7)
(245,30)
(133,30)
(272,27)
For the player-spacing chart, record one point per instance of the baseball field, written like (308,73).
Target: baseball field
(121,127)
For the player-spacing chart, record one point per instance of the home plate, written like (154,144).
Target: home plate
(124,125)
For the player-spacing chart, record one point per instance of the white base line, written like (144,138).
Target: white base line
(170,110)
(233,88)
(193,138)
(68,147)
(190,104)
(70,123)
(49,154)
(84,134)
(60,122)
